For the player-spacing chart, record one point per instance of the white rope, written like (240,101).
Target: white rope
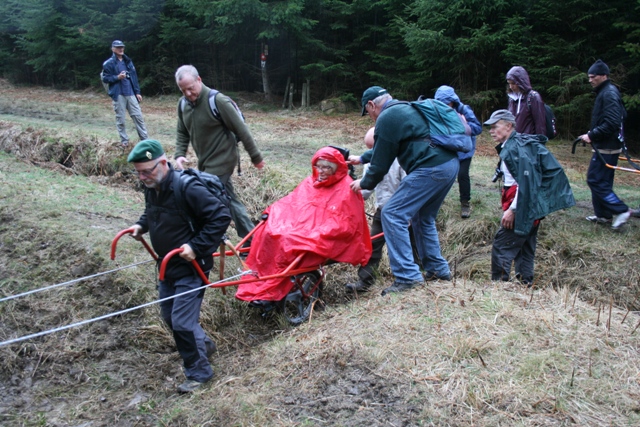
(117,313)
(72,281)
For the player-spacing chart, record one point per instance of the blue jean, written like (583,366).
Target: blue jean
(600,181)
(417,201)
(182,315)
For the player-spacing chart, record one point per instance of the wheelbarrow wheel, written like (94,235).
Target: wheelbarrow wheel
(296,306)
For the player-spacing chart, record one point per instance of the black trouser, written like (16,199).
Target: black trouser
(508,247)
(600,181)
(464,182)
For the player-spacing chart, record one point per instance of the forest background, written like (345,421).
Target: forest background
(339,46)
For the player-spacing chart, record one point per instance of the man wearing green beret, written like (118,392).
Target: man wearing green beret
(170,229)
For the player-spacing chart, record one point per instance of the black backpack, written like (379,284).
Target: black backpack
(549,117)
(209,181)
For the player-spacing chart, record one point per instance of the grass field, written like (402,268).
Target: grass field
(470,352)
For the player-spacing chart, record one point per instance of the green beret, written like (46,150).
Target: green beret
(145,151)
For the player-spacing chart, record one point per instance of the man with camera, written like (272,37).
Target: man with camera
(120,74)
(531,191)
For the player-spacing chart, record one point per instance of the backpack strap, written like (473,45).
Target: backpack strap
(179,185)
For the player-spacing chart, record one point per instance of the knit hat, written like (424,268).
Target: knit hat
(500,115)
(599,68)
(369,95)
(145,151)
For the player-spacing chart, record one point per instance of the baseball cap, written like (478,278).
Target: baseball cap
(500,115)
(370,94)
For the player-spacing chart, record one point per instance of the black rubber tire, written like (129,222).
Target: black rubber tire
(295,307)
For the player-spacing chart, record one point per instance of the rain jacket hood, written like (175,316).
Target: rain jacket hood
(334,156)
(447,94)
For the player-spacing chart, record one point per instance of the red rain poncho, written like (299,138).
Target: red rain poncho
(324,220)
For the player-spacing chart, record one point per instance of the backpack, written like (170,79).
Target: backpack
(550,118)
(446,129)
(105,85)
(214,107)
(209,181)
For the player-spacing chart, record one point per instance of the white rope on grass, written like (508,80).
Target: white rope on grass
(80,279)
(117,313)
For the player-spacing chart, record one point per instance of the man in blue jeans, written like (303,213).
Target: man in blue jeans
(401,132)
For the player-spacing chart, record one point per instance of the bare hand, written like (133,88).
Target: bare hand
(259,165)
(179,161)
(137,232)
(122,75)
(354,160)
(585,138)
(187,253)
(139,98)
(355,186)
(508,219)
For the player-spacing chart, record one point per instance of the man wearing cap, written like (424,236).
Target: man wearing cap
(168,230)
(213,138)
(535,185)
(401,132)
(120,74)
(607,137)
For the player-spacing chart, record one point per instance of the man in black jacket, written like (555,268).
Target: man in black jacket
(170,228)
(606,136)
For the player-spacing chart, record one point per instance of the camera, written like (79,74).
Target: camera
(128,75)
(497,175)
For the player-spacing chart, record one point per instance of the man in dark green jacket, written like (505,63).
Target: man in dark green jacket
(213,138)
(535,185)
(401,132)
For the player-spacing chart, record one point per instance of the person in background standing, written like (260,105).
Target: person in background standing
(606,135)
(447,95)
(121,76)
(525,103)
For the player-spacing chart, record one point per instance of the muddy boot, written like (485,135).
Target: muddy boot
(465,210)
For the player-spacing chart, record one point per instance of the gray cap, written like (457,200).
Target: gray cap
(500,115)
(117,43)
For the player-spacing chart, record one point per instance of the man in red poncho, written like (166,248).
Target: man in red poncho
(322,219)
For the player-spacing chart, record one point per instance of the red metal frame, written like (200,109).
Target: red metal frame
(290,271)
(233,250)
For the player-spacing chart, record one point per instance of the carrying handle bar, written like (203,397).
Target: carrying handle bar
(114,243)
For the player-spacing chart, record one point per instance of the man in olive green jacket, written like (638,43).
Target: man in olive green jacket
(213,138)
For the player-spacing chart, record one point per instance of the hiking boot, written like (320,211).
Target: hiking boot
(619,220)
(465,210)
(210,348)
(401,287)
(598,219)
(429,277)
(357,287)
(189,386)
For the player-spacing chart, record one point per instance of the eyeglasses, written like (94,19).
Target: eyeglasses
(145,172)
(324,168)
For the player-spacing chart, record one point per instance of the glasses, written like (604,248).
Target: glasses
(324,168)
(145,172)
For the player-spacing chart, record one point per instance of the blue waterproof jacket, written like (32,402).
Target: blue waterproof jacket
(446,95)
(110,75)
(543,187)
